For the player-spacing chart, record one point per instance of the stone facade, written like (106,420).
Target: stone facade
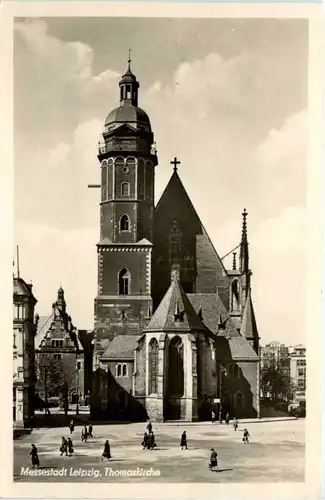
(63,357)
(24,329)
(192,328)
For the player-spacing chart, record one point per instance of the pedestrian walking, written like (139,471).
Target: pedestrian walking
(84,434)
(151,441)
(71,426)
(246,436)
(70,447)
(90,431)
(145,441)
(227,419)
(213,459)
(184,441)
(107,451)
(235,423)
(149,427)
(34,457)
(213,417)
(64,446)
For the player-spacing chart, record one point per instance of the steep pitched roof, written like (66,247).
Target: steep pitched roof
(213,313)
(248,327)
(43,325)
(121,347)
(175,193)
(175,303)
(241,349)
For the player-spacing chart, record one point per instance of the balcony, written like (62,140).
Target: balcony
(134,145)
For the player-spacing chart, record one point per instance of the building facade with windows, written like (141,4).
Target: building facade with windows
(24,330)
(63,356)
(298,372)
(175,330)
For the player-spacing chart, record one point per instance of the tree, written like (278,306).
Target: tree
(276,382)
(55,377)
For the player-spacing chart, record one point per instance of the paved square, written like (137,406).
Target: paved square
(276,453)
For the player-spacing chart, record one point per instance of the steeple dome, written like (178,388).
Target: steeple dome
(128,110)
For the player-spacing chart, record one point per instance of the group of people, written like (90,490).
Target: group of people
(86,433)
(66,447)
(148,442)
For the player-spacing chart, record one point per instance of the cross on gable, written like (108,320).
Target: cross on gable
(175,162)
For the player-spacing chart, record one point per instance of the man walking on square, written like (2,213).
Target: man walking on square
(184,441)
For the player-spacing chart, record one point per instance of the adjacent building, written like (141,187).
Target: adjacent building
(24,329)
(175,330)
(298,372)
(63,357)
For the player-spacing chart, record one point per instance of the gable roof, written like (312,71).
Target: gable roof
(174,302)
(121,347)
(213,313)
(44,323)
(241,349)
(175,192)
(248,327)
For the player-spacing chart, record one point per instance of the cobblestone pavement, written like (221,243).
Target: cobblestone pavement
(275,454)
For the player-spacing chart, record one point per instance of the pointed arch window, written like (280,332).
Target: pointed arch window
(125,188)
(175,242)
(124,282)
(235,296)
(239,401)
(153,366)
(124,223)
(188,263)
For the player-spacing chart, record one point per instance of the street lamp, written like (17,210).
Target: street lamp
(77,373)
(222,370)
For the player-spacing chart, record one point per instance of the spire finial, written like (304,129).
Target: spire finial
(244,231)
(129,60)
(234,264)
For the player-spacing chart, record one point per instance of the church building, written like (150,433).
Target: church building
(175,334)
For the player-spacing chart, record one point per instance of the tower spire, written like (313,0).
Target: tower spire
(244,258)
(129,60)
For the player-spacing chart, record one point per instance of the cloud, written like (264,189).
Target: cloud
(55,87)
(50,257)
(227,120)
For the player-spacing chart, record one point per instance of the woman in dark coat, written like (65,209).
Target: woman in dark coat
(71,426)
(145,441)
(34,456)
(107,451)
(184,441)
(151,441)
(64,446)
(213,459)
(70,447)
(84,434)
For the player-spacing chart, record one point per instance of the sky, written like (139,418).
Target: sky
(228,97)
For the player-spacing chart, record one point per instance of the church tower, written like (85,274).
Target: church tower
(127,159)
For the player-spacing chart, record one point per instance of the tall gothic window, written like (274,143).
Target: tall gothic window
(124,223)
(175,242)
(176,367)
(239,399)
(124,282)
(153,366)
(235,296)
(125,189)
